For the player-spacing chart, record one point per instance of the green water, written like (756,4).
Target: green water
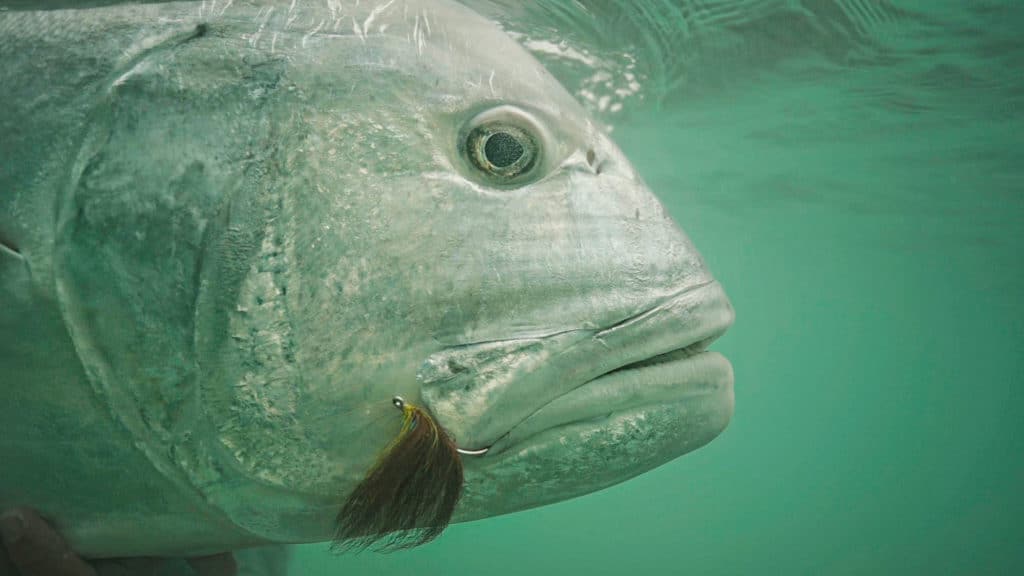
(858,190)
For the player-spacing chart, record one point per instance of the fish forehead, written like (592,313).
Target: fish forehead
(398,77)
(452,39)
(436,54)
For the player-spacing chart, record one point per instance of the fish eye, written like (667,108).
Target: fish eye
(501,150)
(503,146)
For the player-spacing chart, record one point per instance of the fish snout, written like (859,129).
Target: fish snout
(576,276)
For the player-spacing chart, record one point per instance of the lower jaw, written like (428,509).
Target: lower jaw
(699,384)
(576,458)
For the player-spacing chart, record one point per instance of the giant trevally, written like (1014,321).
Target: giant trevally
(232,232)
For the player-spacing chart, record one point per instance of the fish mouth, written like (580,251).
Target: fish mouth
(652,361)
(669,379)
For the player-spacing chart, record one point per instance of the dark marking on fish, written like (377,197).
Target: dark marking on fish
(8,245)
(166,41)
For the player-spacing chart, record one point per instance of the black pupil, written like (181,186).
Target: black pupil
(502,149)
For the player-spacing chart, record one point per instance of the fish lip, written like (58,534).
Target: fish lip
(677,354)
(510,443)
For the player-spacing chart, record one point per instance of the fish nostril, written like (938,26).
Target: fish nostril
(592,160)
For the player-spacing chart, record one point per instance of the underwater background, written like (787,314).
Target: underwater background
(852,172)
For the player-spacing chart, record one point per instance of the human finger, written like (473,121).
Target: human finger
(36,549)
(216,565)
(6,568)
(127,567)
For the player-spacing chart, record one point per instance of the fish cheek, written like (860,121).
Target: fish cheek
(168,152)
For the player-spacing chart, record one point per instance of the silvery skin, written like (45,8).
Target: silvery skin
(232,232)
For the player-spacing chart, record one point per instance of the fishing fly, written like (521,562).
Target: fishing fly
(409,495)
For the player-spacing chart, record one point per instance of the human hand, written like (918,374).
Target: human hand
(33,548)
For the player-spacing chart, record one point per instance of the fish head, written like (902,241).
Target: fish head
(360,202)
(464,234)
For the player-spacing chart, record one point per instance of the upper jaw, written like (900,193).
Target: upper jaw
(481,392)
